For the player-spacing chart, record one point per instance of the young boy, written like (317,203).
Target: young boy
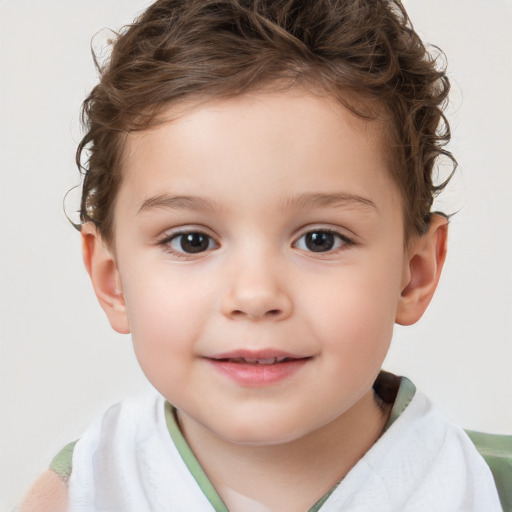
(256,212)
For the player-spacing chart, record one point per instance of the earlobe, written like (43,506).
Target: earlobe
(425,259)
(102,269)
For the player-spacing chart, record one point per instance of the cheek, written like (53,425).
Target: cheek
(166,317)
(359,325)
(162,301)
(356,318)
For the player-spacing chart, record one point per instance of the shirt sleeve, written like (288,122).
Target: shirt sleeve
(496,449)
(62,463)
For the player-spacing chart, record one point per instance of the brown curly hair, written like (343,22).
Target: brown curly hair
(182,49)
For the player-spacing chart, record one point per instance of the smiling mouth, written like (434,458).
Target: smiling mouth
(258,361)
(256,369)
(264,357)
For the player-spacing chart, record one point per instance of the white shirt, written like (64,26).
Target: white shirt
(127,462)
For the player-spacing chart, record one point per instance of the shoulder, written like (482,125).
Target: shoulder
(422,461)
(425,427)
(48,494)
(135,417)
(113,435)
(444,458)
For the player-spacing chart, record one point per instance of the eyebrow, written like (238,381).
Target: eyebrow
(178,203)
(323,200)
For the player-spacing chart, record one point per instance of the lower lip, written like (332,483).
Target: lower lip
(259,375)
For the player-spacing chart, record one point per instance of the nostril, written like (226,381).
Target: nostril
(269,313)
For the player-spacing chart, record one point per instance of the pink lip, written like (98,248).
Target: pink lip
(247,368)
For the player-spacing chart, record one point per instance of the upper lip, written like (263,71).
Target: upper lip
(256,356)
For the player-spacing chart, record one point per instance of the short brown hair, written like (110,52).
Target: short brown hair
(179,49)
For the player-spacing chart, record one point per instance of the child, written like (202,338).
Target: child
(256,212)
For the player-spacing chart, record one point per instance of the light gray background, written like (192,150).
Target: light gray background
(61,364)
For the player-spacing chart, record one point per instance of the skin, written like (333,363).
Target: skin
(258,176)
(48,494)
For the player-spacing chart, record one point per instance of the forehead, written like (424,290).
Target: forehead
(258,146)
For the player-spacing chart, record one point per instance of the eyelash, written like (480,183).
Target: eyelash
(167,241)
(341,242)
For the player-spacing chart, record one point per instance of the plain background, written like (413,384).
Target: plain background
(60,362)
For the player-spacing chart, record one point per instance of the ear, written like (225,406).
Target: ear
(102,268)
(425,259)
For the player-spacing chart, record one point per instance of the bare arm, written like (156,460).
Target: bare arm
(48,494)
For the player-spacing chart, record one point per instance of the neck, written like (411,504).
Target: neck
(291,476)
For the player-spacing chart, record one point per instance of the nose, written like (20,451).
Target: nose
(256,291)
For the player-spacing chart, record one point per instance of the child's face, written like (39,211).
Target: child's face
(261,227)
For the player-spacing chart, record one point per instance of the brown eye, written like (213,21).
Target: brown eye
(191,243)
(321,241)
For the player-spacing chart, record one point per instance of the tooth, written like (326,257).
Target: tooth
(270,360)
(254,360)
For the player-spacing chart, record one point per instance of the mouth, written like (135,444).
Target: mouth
(263,357)
(258,369)
(257,361)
